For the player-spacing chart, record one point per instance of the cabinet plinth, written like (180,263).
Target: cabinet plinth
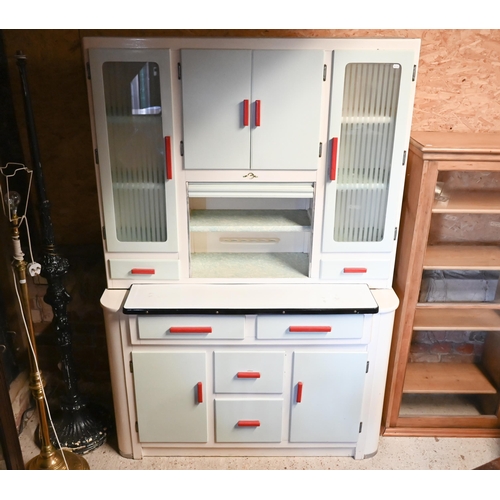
(444,375)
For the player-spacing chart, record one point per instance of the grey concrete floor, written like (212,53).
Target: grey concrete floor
(394,453)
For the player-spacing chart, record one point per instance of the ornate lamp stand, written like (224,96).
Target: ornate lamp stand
(49,457)
(77,427)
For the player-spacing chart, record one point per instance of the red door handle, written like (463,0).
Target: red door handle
(310,329)
(248,375)
(257,113)
(248,423)
(190,329)
(333,159)
(168,157)
(138,270)
(299,392)
(355,270)
(246,113)
(199,390)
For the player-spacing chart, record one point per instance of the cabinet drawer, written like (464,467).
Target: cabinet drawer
(355,270)
(248,421)
(243,372)
(310,326)
(144,270)
(189,326)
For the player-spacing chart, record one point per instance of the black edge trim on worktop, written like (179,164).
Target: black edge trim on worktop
(232,312)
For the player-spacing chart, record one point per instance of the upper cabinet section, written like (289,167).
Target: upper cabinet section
(131,92)
(251,109)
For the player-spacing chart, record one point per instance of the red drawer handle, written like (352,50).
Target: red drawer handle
(138,270)
(168,157)
(354,270)
(248,375)
(257,113)
(333,159)
(299,392)
(199,390)
(248,423)
(308,329)
(190,329)
(246,113)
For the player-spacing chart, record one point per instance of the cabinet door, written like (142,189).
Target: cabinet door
(216,97)
(286,108)
(170,396)
(131,93)
(370,118)
(327,394)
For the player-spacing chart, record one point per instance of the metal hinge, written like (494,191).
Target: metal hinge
(360,427)
(367,366)
(131,366)
(404,157)
(136,426)
(104,233)
(88,72)
(324,72)
(395,233)
(96,156)
(179,72)
(182,148)
(414,73)
(320,149)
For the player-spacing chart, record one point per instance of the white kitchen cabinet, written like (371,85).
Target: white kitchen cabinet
(251,109)
(250,194)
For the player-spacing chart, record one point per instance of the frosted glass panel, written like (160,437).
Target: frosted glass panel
(136,149)
(369,111)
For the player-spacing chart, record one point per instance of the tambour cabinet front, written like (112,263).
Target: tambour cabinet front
(232,164)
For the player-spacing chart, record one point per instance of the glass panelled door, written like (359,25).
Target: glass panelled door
(132,102)
(366,154)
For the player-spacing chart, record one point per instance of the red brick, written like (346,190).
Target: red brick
(441,348)
(464,348)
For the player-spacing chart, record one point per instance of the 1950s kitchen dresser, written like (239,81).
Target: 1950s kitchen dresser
(250,194)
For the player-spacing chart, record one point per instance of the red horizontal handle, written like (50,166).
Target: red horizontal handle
(333,159)
(168,157)
(248,423)
(246,113)
(306,328)
(190,329)
(138,270)
(248,375)
(354,270)
(299,392)
(199,390)
(257,113)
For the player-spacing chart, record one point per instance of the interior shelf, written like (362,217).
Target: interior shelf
(249,265)
(474,202)
(249,220)
(457,317)
(446,378)
(462,257)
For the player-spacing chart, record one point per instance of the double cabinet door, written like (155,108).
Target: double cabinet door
(173,406)
(251,109)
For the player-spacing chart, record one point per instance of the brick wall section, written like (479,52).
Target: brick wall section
(447,346)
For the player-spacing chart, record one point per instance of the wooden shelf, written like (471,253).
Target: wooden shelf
(470,202)
(456,318)
(249,220)
(446,378)
(462,257)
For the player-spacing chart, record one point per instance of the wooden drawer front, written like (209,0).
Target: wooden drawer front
(355,270)
(144,270)
(310,326)
(243,372)
(192,327)
(248,421)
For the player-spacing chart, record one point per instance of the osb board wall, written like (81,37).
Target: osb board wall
(458,89)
